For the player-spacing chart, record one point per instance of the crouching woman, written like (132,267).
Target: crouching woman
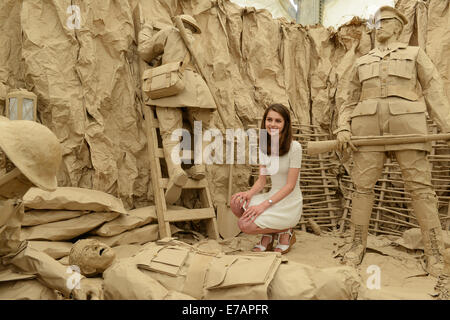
(275,213)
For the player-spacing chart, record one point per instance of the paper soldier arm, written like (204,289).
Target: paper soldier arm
(49,271)
(151,45)
(433,91)
(353,95)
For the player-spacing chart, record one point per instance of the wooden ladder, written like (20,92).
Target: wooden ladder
(167,214)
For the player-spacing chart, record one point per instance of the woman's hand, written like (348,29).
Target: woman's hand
(241,198)
(254,211)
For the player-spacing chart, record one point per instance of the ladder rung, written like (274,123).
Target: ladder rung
(160,154)
(155,123)
(189,214)
(191,184)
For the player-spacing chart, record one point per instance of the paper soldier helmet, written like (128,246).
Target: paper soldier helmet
(191,21)
(388,12)
(33,149)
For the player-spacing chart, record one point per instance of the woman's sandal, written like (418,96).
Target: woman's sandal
(261,247)
(286,247)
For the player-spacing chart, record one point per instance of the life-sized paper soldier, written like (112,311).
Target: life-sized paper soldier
(391,89)
(195,96)
(175,270)
(32,156)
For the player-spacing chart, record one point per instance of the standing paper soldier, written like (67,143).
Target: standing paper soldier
(391,89)
(195,96)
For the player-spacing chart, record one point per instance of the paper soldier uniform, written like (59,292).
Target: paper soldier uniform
(389,93)
(177,84)
(206,274)
(160,270)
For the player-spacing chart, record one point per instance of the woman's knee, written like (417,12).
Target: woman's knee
(242,225)
(246,226)
(237,211)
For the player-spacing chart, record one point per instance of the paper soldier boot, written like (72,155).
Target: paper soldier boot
(426,213)
(361,209)
(178,179)
(197,172)
(177,176)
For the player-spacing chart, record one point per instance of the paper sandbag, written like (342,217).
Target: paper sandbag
(67,229)
(133,219)
(137,236)
(69,198)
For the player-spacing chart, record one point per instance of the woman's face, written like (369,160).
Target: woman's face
(274,123)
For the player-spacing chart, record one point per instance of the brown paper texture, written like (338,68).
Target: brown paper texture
(27,290)
(55,249)
(68,198)
(137,236)
(37,217)
(131,220)
(67,229)
(87,79)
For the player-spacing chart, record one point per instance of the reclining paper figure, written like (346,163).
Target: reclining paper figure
(171,269)
(33,156)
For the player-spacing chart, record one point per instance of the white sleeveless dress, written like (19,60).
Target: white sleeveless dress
(287,212)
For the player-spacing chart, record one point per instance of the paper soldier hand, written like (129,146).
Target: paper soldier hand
(89,290)
(344,141)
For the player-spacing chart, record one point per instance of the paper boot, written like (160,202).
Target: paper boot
(177,176)
(427,215)
(361,210)
(197,172)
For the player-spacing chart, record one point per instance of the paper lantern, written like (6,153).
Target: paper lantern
(21,105)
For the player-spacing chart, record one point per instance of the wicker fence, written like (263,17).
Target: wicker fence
(392,212)
(327,188)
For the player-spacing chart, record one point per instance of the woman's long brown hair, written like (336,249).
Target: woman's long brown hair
(286,133)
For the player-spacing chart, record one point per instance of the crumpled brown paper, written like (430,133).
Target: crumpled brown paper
(88,79)
(37,217)
(67,198)
(136,236)
(131,220)
(67,229)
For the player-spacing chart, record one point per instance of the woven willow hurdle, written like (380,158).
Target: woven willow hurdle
(392,212)
(318,182)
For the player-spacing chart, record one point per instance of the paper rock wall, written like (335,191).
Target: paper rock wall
(79,57)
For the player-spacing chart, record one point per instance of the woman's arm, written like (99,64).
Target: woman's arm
(259,184)
(244,197)
(287,188)
(292,178)
(295,163)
